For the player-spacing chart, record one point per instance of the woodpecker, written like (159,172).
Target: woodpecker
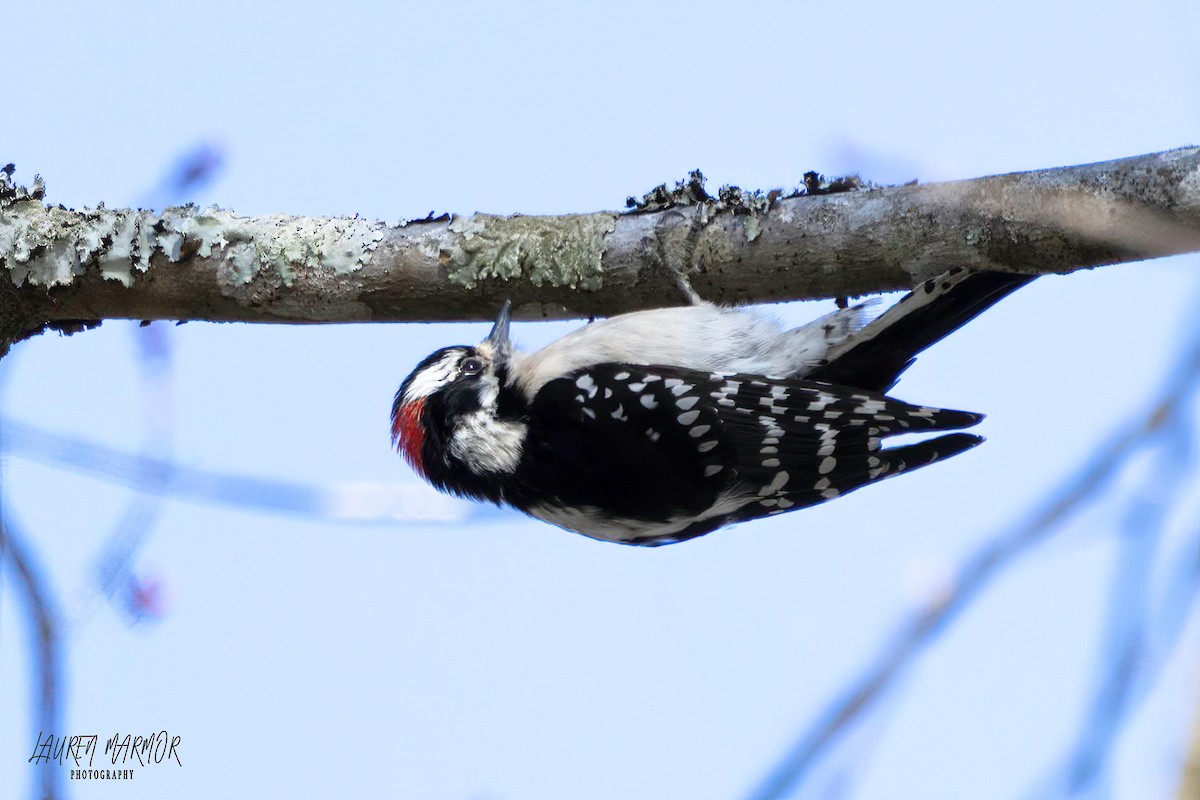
(655,427)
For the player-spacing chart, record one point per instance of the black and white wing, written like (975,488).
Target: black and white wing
(653,455)
(798,443)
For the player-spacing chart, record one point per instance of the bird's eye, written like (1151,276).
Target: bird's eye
(470,366)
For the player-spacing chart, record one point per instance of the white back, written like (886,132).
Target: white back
(701,337)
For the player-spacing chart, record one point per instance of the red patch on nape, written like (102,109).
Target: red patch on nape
(408,435)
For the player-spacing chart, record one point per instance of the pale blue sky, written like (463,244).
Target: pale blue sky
(512,660)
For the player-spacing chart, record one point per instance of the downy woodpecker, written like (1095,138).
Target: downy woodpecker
(658,426)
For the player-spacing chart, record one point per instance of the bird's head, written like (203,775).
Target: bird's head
(447,387)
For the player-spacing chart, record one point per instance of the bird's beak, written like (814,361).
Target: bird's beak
(498,338)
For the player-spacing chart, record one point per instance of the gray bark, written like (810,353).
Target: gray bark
(67,268)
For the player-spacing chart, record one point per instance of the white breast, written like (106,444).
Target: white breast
(487,445)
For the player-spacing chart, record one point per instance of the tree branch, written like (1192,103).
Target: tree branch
(68,268)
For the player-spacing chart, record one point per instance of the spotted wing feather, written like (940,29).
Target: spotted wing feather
(670,453)
(799,443)
(610,437)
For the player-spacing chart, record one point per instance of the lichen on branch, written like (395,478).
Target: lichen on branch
(64,268)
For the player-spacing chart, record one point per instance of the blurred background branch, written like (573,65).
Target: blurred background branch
(373,502)
(1166,424)
(45,641)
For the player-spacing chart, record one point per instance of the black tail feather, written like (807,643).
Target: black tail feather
(914,456)
(875,357)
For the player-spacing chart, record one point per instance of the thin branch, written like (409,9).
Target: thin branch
(114,572)
(370,502)
(69,267)
(1127,659)
(915,634)
(32,587)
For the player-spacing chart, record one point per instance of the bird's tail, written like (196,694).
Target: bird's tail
(914,456)
(874,357)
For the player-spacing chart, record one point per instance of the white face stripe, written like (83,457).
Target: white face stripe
(433,377)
